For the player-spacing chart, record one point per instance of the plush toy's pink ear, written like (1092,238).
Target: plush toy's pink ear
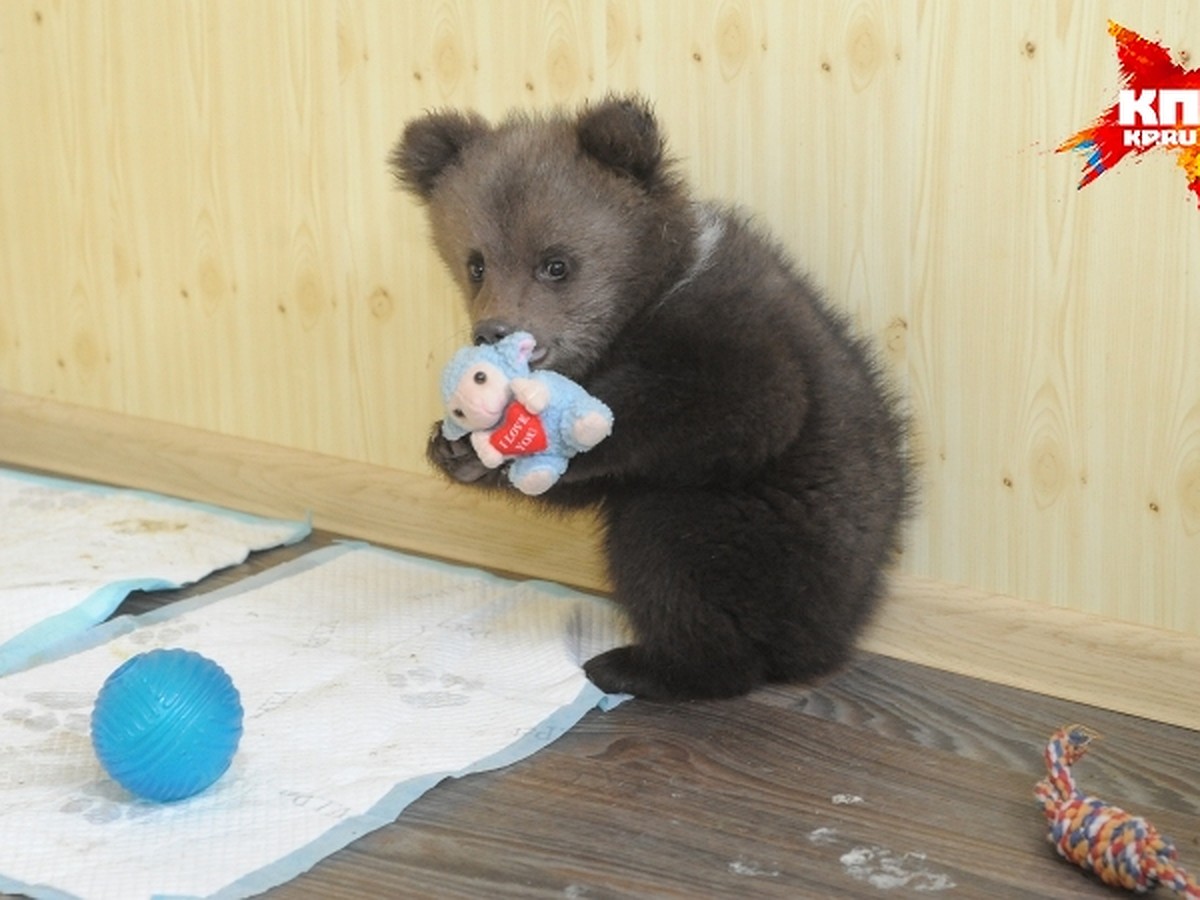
(525,345)
(515,350)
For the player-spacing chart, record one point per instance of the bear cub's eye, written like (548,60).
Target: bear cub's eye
(475,268)
(481,377)
(553,268)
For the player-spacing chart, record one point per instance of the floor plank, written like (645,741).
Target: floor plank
(738,798)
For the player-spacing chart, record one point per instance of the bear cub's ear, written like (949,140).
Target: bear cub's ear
(622,133)
(429,145)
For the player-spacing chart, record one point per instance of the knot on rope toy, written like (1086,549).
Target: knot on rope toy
(1123,850)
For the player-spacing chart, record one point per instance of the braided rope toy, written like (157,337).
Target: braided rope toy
(1123,850)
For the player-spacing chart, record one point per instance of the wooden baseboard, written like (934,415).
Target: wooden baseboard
(1127,668)
(387,506)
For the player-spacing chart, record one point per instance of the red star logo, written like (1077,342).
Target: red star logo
(1158,109)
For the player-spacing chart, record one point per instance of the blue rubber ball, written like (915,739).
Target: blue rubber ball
(166,724)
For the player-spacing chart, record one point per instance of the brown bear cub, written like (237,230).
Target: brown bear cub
(755,483)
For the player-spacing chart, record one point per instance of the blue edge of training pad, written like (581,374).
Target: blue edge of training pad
(40,642)
(399,797)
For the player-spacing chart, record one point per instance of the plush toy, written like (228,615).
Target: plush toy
(537,420)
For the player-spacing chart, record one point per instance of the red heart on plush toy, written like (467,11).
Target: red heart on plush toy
(519,433)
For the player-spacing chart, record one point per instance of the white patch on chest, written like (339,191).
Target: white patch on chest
(712,229)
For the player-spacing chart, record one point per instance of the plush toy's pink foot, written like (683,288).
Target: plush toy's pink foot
(590,429)
(536,482)
(488,455)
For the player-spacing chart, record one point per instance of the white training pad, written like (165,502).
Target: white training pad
(366,677)
(71,552)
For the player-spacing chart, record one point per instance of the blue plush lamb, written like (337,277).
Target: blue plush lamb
(536,419)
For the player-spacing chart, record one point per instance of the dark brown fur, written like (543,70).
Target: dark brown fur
(755,482)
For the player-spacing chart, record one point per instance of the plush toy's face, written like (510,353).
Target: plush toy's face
(480,397)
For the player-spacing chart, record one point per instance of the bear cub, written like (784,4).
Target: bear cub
(754,486)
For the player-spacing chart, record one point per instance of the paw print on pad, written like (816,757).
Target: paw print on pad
(49,711)
(102,802)
(163,635)
(425,688)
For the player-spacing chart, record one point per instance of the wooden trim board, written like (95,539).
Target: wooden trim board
(1127,668)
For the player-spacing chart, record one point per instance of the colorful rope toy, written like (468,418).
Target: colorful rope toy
(1121,849)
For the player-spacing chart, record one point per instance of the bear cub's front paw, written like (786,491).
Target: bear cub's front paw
(457,459)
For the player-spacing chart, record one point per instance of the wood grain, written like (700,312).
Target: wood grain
(643,805)
(198,229)
(1134,669)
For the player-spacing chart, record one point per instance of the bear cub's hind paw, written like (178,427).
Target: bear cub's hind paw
(635,670)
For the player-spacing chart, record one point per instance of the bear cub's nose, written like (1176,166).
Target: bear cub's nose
(490,331)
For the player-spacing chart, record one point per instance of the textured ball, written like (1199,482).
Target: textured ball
(166,724)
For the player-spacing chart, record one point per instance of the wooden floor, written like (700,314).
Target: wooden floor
(889,779)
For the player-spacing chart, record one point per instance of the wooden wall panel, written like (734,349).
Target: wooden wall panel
(1051,372)
(196,226)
